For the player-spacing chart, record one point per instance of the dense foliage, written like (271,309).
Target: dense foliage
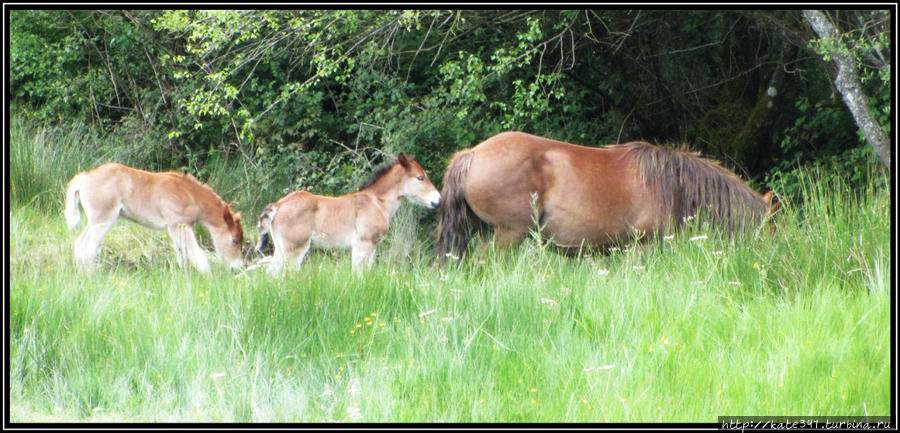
(315,97)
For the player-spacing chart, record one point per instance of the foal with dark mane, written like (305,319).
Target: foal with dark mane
(357,220)
(584,195)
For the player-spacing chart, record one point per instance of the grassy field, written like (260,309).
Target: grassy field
(687,329)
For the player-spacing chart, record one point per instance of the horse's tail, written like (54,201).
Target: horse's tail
(73,199)
(264,227)
(453,225)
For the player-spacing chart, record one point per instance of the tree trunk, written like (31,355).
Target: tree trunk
(848,83)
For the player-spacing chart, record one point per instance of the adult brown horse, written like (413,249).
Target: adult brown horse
(585,196)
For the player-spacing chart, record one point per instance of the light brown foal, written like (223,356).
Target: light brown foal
(170,201)
(357,220)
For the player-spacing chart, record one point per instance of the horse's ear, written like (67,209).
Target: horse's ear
(772,200)
(403,160)
(229,221)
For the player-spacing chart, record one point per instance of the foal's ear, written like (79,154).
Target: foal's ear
(229,219)
(403,160)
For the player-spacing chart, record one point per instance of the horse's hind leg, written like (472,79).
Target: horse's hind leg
(295,254)
(102,211)
(506,237)
(88,242)
(186,246)
(291,255)
(300,254)
(276,265)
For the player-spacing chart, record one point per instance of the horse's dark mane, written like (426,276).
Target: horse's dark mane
(688,183)
(378,173)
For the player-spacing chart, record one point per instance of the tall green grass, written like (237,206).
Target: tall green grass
(41,159)
(44,158)
(790,322)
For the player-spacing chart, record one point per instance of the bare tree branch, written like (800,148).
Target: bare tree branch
(849,85)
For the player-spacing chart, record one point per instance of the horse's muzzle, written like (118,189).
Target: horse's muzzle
(434,200)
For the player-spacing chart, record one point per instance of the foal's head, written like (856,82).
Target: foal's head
(231,240)
(415,184)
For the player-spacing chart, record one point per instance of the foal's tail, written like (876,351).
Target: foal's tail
(453,225)
(265,226)
(73,199)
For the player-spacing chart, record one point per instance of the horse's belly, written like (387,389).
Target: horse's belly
(593,204)
(149,221)
(331,240)
(595,236)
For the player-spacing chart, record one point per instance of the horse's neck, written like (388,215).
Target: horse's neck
(211,215)
(388,196)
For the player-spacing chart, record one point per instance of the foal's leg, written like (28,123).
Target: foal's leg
(276,266)
(301,254)
(186,246)
(363,251)
(288,253)
(88,242)
(102,211)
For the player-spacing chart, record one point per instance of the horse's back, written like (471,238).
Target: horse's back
(147,198)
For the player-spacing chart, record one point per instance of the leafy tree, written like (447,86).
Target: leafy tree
(315,98)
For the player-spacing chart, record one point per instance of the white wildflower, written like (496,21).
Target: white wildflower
(600,367)
(354,387)
(549,302)
(354,413)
